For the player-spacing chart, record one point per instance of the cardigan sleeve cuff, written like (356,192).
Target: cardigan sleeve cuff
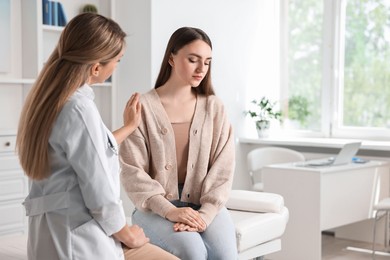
(208,212)
(159,205)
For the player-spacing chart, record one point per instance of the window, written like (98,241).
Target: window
(303,64)
(337,67)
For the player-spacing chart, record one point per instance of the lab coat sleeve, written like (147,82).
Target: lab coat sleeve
(92,152)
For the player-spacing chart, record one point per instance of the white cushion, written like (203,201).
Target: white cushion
(255,201)
(254,228)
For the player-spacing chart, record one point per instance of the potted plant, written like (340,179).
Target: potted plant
(263,112)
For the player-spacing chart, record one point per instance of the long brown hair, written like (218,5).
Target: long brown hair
(180,38)
(87,39)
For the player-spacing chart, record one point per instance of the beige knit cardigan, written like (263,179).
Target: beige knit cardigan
(148,159)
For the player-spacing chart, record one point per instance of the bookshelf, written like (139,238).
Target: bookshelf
(32,43)
(42,38)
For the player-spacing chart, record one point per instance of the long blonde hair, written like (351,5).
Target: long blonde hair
(86,40)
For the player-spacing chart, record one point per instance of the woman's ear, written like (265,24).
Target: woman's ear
(170,61)
(94,72)
(95,69)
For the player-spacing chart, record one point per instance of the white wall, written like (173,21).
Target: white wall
(245,51)
(14,42)
(133,73)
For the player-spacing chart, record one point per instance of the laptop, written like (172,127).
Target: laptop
(347,152)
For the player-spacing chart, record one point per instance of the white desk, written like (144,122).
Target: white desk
(323,198)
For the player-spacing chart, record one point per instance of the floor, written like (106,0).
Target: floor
(13,248)
(336,249)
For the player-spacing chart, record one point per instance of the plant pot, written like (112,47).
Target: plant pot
(262,128)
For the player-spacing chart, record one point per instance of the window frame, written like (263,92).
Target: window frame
(332,75)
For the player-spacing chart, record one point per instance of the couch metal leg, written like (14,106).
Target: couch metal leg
(374,235)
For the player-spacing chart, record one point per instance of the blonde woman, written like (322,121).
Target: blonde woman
(177,167)
(74,206)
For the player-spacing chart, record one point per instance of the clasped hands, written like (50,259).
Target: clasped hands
(186,219)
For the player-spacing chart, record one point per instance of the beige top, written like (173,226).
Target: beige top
(181,140)
(149,166)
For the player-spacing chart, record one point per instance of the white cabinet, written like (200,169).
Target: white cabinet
(13,188)
(31,44)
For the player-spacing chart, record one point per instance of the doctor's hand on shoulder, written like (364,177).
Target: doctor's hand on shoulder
(132,236)
(132,112)
(131,118)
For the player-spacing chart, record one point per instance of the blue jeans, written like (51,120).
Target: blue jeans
(217,242)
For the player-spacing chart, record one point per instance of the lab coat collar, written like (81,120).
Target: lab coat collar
(87,91)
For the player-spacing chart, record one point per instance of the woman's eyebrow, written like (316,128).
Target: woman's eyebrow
(198,56)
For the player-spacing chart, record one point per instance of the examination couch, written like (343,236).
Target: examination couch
(260,219)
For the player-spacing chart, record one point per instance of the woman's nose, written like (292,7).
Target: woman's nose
(201,67)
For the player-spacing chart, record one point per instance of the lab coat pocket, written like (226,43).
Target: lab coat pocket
(112,145)
(112,156)
(90,242)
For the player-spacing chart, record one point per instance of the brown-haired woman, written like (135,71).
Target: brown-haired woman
(74,205)
(177,167)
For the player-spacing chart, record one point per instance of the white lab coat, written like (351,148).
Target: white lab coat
(74,212)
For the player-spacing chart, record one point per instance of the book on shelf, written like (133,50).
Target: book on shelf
(53,13)
(46,12)
(61,15)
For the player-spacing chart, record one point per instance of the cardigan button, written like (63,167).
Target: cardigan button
(168,166)
(164,131)
(169,196)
